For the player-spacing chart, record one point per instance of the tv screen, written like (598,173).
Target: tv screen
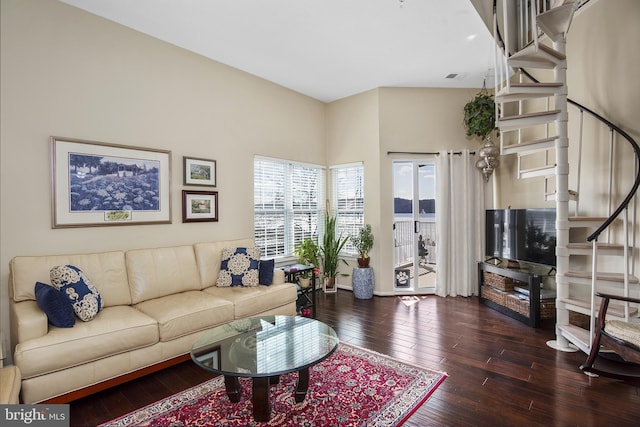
(522,235)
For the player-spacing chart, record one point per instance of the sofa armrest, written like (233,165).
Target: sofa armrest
(27,322)
(10,382)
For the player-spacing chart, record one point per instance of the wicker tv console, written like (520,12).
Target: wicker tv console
(511,291)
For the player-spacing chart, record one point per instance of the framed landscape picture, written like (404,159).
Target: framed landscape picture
(98,184)
(199,206)
(199,172)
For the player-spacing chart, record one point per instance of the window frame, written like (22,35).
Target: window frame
(340,205)
(297,220)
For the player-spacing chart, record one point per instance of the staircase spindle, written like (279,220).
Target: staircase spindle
(579,172)
(610,196)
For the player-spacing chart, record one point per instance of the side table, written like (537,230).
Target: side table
(306,296)
(362,282)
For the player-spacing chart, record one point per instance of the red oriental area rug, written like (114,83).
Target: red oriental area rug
(353,387)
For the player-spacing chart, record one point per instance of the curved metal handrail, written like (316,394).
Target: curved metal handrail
(636,149)
(634,188)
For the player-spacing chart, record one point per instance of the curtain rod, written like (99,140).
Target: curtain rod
(431,153)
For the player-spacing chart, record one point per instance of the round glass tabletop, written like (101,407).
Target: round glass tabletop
(264,346)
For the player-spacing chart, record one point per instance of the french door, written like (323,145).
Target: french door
(414,225)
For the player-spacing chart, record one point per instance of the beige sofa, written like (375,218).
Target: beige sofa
(156,303)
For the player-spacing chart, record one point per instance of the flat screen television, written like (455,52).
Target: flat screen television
(522,235)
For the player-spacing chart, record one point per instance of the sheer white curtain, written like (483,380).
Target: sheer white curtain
(459,223)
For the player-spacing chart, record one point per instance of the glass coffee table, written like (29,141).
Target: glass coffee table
(263,348)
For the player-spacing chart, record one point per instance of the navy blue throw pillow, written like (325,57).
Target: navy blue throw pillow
(266,271)
(56,305)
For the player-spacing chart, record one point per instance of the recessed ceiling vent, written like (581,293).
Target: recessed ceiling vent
(456,76)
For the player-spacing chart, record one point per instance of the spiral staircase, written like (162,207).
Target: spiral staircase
(594,253)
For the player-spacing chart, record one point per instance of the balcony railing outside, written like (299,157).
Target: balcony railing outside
(406,246)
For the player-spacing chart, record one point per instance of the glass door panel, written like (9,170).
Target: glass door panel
(414,231)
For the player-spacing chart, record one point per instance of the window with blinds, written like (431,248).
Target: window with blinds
(348,200)
(288,204)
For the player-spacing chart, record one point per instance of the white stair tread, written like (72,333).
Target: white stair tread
(529,115)
(601,246)
(577,336)
(586,221)
(555,22)
(541,56)
(531,62)
(528,119)
(602,277)
(540,89)
(548,85)
(577,219)
(508,96)
(584,307)
(573,195)
(547,170)
(530,146)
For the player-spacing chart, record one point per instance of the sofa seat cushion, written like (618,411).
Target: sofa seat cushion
(250,301)
(114,330)
(186,312)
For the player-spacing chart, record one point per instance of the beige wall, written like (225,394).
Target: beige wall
(69,73)
(602,73)
(415,120)
(353,136)
(366,126)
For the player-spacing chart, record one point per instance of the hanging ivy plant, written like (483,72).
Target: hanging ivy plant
(480,115)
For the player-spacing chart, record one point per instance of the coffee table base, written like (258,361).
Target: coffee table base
(260,392)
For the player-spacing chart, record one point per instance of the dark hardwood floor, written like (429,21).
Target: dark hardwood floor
(500,371)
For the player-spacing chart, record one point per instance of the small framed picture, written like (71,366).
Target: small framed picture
(199,172)
(199,206)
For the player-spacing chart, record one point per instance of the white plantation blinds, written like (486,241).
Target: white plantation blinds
(288,204)
(348,200)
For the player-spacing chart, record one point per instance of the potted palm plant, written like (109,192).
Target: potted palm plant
(332,244)
(363,242)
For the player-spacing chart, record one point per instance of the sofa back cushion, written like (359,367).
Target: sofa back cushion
(157,272)
(209,256)
(106,270)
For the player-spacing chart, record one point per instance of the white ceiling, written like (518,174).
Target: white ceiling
(326,49)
